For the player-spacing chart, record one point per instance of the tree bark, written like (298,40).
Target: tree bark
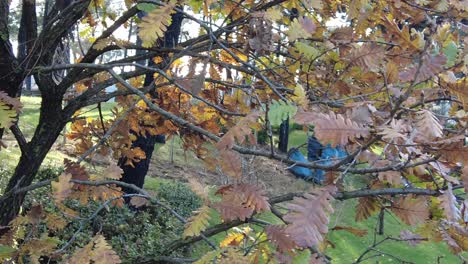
(52,119)
(51,123)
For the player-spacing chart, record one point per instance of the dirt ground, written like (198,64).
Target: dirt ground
(269,174)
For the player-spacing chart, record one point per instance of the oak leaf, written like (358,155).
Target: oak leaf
(103,252)
(332,128)
(366,207)
(368,56)
(308,216)
(240,132)
(302,27)
(232,239)
(62,188)
(456,237)
(240,201)
(411,210)
(231,163)
(113,171)
(464,177)
(430,66)
(82,255)
(232,210)
(280,238)
(138,201)
(198,222)
(428,125)
(448,202)
(397,129)
(155,24)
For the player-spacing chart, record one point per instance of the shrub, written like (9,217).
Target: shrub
(131,233)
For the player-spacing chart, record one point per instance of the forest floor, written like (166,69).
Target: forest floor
(171,163)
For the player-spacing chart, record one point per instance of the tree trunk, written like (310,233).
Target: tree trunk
(284,136)
(50,125)
(136,175)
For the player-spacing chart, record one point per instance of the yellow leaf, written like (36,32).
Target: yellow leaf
(155,24)
(300,96)
(232,239)
(198,222)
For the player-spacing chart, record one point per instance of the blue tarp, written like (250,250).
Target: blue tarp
(315,151)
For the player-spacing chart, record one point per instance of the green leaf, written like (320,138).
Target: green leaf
(302,258)
(280,111)
(308,51)
(450,51)
(146,7)
(6,252)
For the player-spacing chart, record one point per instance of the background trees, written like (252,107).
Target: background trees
(369,86)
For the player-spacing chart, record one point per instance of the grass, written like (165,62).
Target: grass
(346,246)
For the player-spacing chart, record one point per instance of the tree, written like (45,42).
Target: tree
(369,85)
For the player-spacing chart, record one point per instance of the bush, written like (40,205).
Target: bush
(131,233)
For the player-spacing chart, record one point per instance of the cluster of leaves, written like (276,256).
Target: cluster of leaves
(369,86)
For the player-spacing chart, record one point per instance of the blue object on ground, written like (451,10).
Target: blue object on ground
(315,152)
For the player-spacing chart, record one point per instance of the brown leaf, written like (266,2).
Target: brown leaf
(390,176)
(77,171)
(431,65)
(82,255)
(198,189)
(464,177)
(103,253)
(309,216)
(366,207)
(332,128)
(396,129)
(254,196)
(241,201)
(391,72)
(411,210)
(36,214)
(194,85)
(239,132)
(448,202)
(456,237)
(231,163)
(138,201)
(232,210)
(428,125)
(368,56)
(278,236)
(62,188)
(113,171)
(352,230)
(452,151)
(55,222)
